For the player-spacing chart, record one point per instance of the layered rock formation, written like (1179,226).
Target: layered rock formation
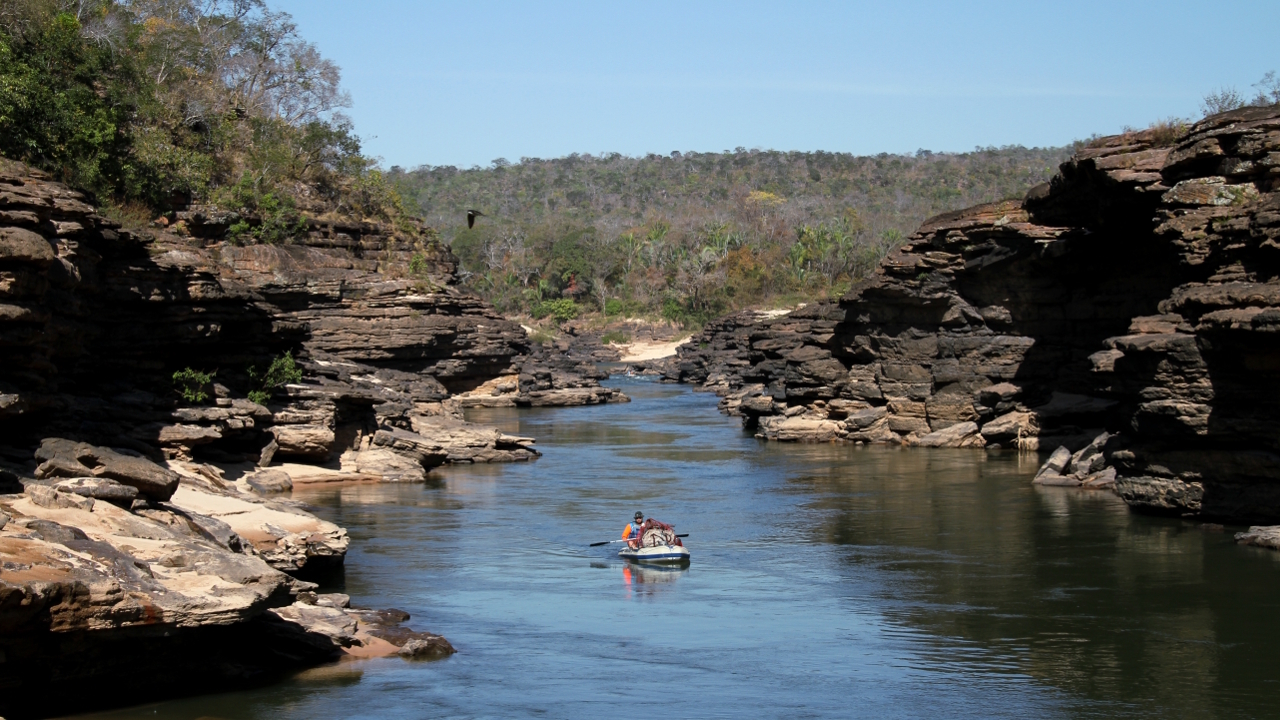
(1138,292)
(560,374)
(95,320)
(175,574)
(137,538)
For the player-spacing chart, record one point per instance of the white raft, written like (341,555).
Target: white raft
(656,554)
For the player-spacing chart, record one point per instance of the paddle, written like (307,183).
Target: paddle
(606,542)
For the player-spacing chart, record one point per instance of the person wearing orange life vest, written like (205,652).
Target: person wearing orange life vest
(633,529)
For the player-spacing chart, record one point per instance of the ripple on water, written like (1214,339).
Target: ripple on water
(827,581)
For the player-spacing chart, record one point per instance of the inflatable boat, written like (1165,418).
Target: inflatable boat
(657,544)
(656,554)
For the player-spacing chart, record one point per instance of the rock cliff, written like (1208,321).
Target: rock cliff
(142,533)
(1138,292)
(95,320)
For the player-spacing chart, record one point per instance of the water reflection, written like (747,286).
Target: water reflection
(831,581)
(1061,584)
(643,579)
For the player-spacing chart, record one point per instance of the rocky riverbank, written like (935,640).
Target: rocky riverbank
(146,532)
(1137,293)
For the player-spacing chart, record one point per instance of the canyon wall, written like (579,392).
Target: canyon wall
(1138,293)
(148,547)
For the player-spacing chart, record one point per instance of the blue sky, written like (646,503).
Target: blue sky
(464,83)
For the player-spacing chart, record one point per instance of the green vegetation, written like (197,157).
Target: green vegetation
(152,104)
(562,309)
(691,236)
(282,371)
(193,385)
(615,337)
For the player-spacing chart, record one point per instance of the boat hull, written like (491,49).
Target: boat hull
(666,554)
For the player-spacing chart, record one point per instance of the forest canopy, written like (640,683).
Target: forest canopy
(152,104)
(690,236)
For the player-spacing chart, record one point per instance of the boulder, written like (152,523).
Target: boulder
(67,458)
(426,648)
(1011,427)
(1267,536)
(381,463)
(48,497)
(1089,459)
(329,623)
(1057,462)
(267,482)
(334,600)
(1167,496)
(1104,479)
(865,418)
(20,245)
(799,429)
(963,434)
(993,395)
(99,489)
(312,441)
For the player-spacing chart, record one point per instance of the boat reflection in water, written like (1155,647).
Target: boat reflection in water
(649,578)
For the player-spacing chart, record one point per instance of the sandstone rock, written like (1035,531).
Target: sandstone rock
(1102,479)
(23,246)
(1051,472)
(387,625)
(267,482)
(313,441)
(428,648)
(569,397)
(863,419)
(963,434)
(757,405)
(1161,495)
(1011,427)
(331,623)
(131,571)
(99,489)
(1044,308)
(188,435)
(799,429)
(383,464)
(67,458)
(49,497)
(333,600)
(268,453)
(288,538)
(1267,536)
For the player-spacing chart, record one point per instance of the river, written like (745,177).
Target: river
(827,581)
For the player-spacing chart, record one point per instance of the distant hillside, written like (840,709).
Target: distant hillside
(693,235)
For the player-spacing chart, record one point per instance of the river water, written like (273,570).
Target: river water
(827,581)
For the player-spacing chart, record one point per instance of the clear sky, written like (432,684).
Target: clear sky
(464,83)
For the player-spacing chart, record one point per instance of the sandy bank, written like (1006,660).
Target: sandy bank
(643,350)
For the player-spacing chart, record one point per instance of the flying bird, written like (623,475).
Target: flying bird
(471,217)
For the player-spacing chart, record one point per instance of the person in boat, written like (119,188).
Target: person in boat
(633,530)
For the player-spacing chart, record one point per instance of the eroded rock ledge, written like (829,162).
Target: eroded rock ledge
(1137,293)
(170,572)
(147,536)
